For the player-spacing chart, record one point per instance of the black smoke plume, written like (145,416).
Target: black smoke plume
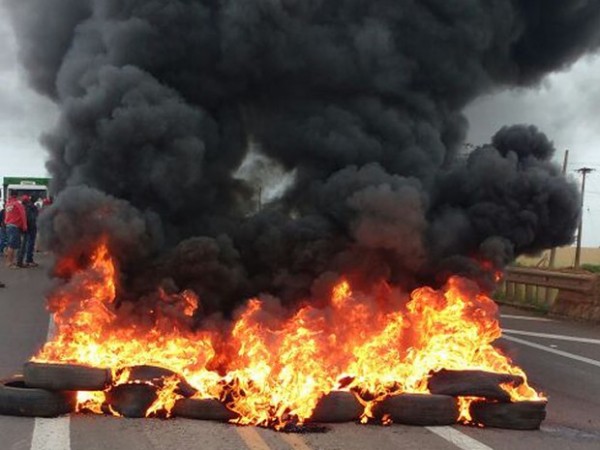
(358,102)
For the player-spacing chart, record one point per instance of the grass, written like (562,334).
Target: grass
(595,268)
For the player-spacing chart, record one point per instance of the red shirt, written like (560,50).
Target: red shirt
(15,214)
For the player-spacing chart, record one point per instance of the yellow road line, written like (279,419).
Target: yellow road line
(252,439)
(296,442)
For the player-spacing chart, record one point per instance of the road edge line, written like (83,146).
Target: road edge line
(573,356)
(558,337)
(529,318)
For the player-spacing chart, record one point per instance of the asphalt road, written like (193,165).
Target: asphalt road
(562,359)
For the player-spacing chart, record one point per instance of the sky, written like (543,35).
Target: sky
(566,106)
(24,115)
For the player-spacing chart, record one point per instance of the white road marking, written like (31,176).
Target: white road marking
(459,439)
(295,441)
(51,434)
(558,337)
(252,439)
(583,359)
(537,319)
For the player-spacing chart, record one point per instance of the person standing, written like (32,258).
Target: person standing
(2,232)
(29,237)
(16,224)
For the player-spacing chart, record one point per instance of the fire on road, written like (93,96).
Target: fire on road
(271,369)
(568,424)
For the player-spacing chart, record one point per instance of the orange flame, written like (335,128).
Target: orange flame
(274,367)
(167,397)
(90,402)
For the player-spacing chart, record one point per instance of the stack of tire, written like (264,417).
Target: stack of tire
(493,407)
(50,390)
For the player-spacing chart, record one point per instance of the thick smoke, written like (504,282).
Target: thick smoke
(360,102)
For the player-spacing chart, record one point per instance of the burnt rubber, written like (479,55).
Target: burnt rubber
(419,409)
(16,399)
(131,400)
(472,383)
(157,375)
(526,415)
(146,373)
(337,407)
(66,377)
(203,409)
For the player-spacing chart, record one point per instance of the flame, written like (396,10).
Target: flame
(272,366)
(90,402)
(464,409)
(167,397)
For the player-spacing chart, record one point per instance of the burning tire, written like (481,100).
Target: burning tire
(131,400)
(203,409)
(472,383)
(526,415)
(337,406)
(419,409)
(66,377)
(157,376)
(16,399)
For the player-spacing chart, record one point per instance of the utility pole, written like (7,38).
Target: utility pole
(552,261)
(583,171)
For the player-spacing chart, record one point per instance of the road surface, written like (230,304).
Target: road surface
(562,359)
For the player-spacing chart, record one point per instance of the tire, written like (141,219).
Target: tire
(337,407)
(131,400)
(66,377)
(472,383)
(419,409)
(16,399)
(203,409)
(526,415)
(156,376)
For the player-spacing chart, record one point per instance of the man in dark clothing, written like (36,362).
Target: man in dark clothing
(3,239)
(28,244)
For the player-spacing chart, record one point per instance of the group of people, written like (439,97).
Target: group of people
(18,231)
